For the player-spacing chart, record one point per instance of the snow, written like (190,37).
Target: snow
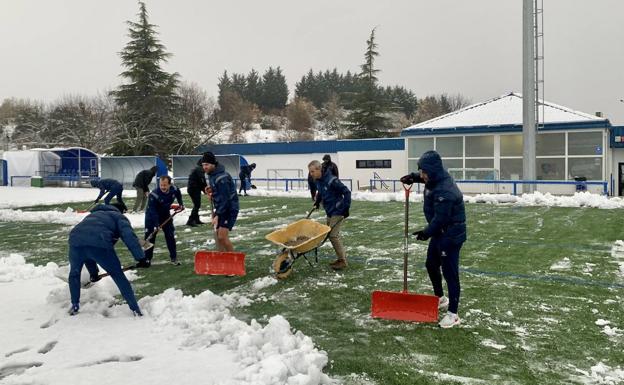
(564,264)
(181,339)
(492,344)
(502,110)
(602,374)
(15,197)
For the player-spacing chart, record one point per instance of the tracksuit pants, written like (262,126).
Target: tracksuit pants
(90,257)
(444,254)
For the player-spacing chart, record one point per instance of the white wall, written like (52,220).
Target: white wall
(347,165)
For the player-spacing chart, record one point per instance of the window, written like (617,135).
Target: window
(382,163)
(417,147)
(412,165)
(511,169)
(480,174)
(511,145)
(550,144)
(550,168)
(455,167)
(480,146)
(585,143)
(591,168)
(450,147)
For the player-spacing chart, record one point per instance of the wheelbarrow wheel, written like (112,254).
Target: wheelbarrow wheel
(282,265)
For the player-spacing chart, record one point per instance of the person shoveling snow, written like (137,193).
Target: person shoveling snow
(92,243)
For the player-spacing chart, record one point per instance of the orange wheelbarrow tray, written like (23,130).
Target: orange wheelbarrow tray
(311,234)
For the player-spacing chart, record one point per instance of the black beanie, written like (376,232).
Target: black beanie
(326,158)
(209,157)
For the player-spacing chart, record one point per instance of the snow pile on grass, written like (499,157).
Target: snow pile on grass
(492,344)
(181,339)
(602,374)
(579,199)
(564,264)
(15,197)
(617,252)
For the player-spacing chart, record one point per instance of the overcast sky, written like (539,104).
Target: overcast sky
(50,48)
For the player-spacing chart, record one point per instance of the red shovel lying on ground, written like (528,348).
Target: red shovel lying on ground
(404,306)
(219,262)
(88,209)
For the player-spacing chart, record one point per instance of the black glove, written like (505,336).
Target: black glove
(144,263)
(407,179)
(317,205)
(420,235)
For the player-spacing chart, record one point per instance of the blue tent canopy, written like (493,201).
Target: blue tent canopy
(77,160)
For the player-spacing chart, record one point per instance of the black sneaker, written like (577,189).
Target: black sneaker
(175,262)
(137,313)
(94,278)
(74,310)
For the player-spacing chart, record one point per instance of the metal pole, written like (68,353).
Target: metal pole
(528,93)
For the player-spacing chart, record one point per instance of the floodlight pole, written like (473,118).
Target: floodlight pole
(528,93)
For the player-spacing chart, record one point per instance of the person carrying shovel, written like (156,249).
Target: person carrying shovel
(336,199)
(444,211)
(222,192)
(157,213)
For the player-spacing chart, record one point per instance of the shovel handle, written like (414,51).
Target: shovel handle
(310,212)
(408,189)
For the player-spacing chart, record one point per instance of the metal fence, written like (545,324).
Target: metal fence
(498,185)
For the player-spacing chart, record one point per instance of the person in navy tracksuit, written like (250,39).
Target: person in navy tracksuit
(443,207)
(92,243)
(336,199)
(222,191)
(245,177)
(157,212)
(110,186)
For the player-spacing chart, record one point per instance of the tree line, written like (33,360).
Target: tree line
(154,112)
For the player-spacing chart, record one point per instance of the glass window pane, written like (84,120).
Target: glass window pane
(455,167)
(585,143)
(550,144)
(412,165)
(417,147)
(452,147)
(480,174)
(511,169)
(590,168)
(480,145)
(511,145)
(479,163)
(550,168)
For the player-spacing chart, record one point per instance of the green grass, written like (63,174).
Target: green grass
(510,295)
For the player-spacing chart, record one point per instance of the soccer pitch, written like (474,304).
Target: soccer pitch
(542,290)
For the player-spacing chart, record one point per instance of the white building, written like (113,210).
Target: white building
(481,145)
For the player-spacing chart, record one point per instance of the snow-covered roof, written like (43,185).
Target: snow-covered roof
(503,110)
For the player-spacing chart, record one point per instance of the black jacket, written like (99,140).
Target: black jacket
(197,179)
(143,179)
(331,166)
(444,203)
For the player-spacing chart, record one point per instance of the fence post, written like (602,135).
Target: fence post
(515,188)
(286,184)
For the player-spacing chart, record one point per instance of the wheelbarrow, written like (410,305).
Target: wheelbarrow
(297,240)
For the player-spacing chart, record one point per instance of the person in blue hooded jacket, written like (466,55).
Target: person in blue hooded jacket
(222,191)
(92,243)
(157,212)
(443,207)
(110,186)
(245,177)
(336,199)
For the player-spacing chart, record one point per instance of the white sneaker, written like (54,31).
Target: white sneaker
(443,303)
(449,320)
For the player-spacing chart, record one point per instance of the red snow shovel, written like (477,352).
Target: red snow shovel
(404,306)
(219,262)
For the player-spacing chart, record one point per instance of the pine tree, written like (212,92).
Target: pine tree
(367,119)
(148,102)
(253,91)
(274,90)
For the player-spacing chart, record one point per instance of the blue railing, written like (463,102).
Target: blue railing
(579,186)
(287,183)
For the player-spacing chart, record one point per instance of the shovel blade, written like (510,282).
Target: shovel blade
(403,306)
(219,263)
